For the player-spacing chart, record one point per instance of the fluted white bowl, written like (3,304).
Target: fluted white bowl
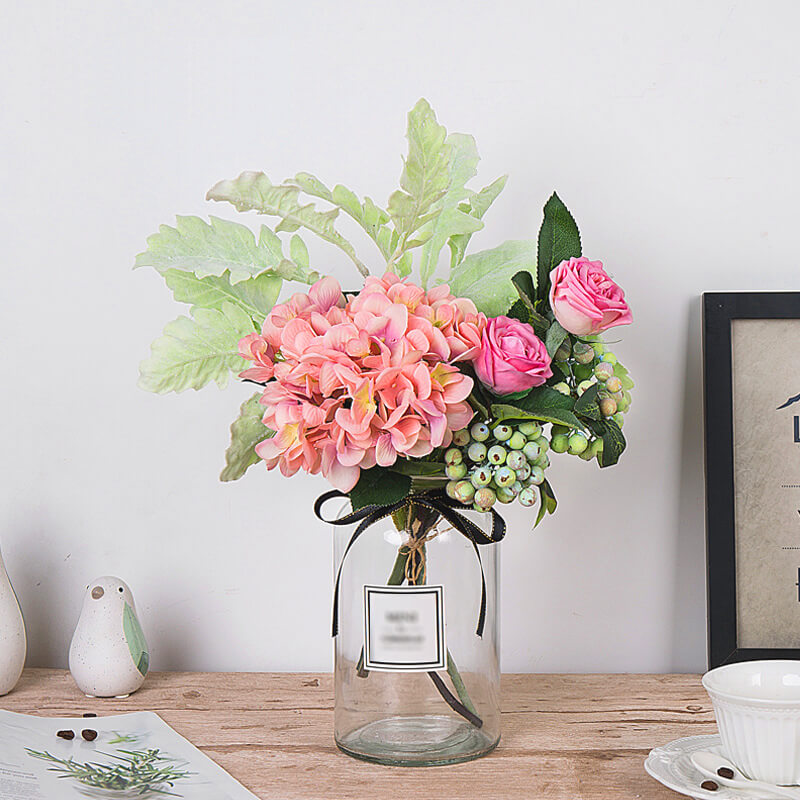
(757,706)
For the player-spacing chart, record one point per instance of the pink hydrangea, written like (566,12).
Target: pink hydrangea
(359,383)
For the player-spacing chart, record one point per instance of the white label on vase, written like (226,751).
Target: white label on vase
(404,628)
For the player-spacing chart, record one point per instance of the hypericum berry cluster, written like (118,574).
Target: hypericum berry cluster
(586,364)
(501,463)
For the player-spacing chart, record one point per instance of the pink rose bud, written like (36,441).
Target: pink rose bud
(512,357)
(584,299)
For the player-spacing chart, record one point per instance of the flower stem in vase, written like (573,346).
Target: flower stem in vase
(418,525)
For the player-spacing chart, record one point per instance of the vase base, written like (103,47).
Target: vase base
(424,741)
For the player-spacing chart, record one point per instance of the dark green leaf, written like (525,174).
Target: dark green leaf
(548,502)
(544,404)
(379,486)
(526,289)
(555,338)
(613,443)
(559,239)
(586,405)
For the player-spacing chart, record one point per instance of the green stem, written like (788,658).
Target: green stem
(458,683)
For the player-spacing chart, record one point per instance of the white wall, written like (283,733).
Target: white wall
(670,129)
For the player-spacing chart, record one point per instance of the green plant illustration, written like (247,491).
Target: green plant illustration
(140,772)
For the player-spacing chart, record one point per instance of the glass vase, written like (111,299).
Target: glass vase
(415,683)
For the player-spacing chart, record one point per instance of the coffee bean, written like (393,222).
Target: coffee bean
(709,786)
(89,734)
(66,734)
(89,714)
(725,772)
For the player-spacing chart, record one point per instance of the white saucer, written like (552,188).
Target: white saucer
(672,766)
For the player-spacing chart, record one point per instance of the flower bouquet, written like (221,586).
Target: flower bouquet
(428,402)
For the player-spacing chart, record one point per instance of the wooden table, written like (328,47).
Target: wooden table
(574,737)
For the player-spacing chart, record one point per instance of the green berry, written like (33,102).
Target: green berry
(485,498)
(516,487)
(599,348)
(543,461)
(544,443)
(517,441)
(608,406)
(464,491)
(479,431)
(562,387)
(516,458)
(496,454)
(610,357)
(603,371)
(505,495)
(481,477)
(505,477)
(524,472)
(577,443)
(453,456)
(587,454)
(614,384)
(456,471)
(450,489)
(532,450)
(476,452)
(559,443)
(619,419)
(527,497)
(502,432)
(537,475)
(461,438)
(530,429)
(583,386)
(584,354)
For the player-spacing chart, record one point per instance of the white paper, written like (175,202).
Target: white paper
(24,776)
(404,628)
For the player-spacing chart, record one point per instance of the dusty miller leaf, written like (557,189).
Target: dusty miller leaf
(197,350)
(451,219)
(485,276)
(255,296)
(477,206)
(194,245)
(253,191)
(425,174)
(247,431)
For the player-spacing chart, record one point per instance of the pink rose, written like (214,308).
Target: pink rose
(584,299)
(512,357)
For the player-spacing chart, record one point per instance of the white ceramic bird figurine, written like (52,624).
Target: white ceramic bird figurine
(13,644)
(108,656)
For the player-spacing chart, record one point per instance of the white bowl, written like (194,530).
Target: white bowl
(757,705)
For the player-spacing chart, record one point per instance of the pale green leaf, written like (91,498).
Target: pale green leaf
(253,191)
(425,174)
(194,245)
(195,351)
(485,276)
(256,296)
(134,638)
(451,219)
(478,205)
(247,431)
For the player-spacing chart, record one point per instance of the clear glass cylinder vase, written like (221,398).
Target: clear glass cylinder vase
(415,683)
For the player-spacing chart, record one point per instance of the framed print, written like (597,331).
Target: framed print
(751,363)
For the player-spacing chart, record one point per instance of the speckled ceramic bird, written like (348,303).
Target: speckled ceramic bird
(108,656)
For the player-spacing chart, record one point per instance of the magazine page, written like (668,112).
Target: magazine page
(124,756)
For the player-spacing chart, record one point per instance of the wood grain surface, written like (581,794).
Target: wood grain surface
(564,737)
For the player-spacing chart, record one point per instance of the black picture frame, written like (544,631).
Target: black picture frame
(720,309)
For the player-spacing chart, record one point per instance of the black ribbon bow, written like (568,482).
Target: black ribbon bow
(435,500)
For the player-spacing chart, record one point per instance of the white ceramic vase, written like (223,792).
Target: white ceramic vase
(108,656)
(13,642)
